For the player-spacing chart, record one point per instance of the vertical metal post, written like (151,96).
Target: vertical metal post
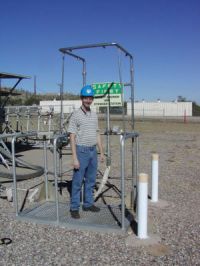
(17,119)
(7,115)
(84,73)
(136,176)
(45,168)
(61,96)
(137,157)
(108,162)
(122,139)
(56,176)
(84,83)
(135,149)
(39,117)
(49,125)
(28,120)
(14,176)
(132,93)
(60,163)
(120,80)
(133,171)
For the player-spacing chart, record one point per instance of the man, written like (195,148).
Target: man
(84,136)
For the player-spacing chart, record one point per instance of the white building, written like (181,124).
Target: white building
(161,108)
(141,109)
(68,106)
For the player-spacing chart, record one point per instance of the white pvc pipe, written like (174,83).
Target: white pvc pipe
(154,179)
(142,205)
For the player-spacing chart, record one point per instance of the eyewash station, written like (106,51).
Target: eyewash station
(115,192)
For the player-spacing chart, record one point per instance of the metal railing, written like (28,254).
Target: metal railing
(135,149)
(14,137)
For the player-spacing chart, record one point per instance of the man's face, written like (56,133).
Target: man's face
(87,101)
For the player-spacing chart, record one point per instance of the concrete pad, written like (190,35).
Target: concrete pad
(160,204)
(134,241)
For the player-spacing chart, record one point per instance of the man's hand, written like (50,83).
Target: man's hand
(76,164)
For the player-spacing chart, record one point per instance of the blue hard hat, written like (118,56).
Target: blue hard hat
(87,91)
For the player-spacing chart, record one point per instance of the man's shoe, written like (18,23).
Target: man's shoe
(75,214)
(92,208)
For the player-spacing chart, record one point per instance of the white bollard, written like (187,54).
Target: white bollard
(154,178)
(9,194)
(142,205)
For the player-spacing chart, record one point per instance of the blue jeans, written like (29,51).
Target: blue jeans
(86,174)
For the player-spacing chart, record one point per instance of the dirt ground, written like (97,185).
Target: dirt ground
(177,224)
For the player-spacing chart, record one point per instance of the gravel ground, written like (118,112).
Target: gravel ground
(177,225)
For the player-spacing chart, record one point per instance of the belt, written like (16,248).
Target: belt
(86,148)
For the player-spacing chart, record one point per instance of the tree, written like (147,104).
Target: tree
(33,99)
(195,109)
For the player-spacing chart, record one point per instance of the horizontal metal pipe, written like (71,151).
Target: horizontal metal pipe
(126,84)
(103,45)
(71,54)
(18,135)
(131,135)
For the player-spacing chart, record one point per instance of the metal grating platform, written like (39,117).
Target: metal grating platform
(107,220)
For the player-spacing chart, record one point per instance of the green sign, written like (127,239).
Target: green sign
(101,89)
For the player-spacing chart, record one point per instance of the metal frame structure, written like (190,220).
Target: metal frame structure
(10,93)
(134,136)
(69,51)
(111,218)
(6,93)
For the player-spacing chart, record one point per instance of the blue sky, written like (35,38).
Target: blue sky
(162,35)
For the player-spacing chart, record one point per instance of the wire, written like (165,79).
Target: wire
(5,241)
